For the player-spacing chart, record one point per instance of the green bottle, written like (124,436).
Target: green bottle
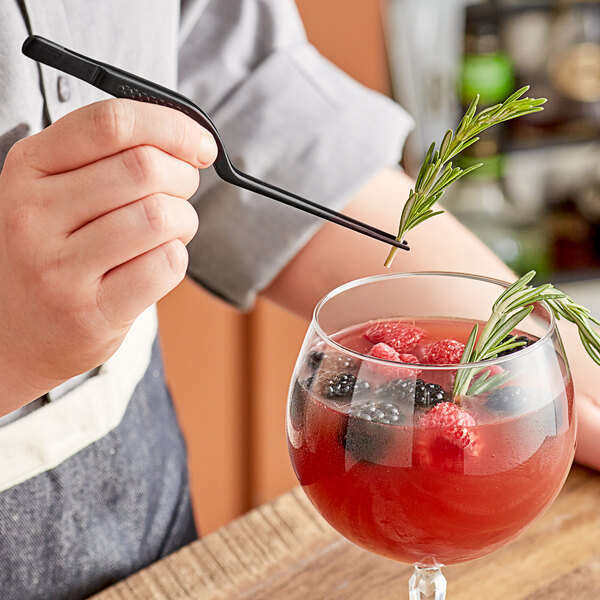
(481,200)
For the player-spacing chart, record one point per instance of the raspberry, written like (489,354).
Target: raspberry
(444,352)
(382,350)
(453,422)
(400,336)
(408,358)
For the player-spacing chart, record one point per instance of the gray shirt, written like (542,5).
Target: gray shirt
(287,116)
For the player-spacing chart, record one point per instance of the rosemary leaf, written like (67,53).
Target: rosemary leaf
(487,382)
(436,172)
(513,305)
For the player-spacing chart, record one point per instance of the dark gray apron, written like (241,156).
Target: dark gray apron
(111,509)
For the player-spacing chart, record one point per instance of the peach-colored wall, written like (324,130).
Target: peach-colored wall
(350,34)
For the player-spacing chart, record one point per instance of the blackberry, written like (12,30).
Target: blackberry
(514,400)
(397,389)
(340,385)
(377,411)
(336,376)
(410,391)
(367,435)
(542,414)
(520,338)
(429,394)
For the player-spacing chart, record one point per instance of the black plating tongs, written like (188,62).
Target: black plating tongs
(121,84)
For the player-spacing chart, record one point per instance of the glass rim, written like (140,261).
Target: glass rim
(551,326)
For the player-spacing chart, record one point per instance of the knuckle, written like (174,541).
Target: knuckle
(19,156)
(156,213)
(70,300)
(114,121)
(56,282)
(75,306)
(24,220)
(105,318)
(85,323)
(192,222)
(52,286)
(142,164)
(24,217)
(19,223)
(193,182)
(16,154)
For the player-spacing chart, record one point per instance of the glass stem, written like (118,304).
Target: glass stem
(427,583)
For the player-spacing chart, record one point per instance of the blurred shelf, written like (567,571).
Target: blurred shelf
(520,6)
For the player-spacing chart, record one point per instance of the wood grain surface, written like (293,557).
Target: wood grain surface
(284,550)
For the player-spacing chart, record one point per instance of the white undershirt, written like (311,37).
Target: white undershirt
(54,394)
(40,437)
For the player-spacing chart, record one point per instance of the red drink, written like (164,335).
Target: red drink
(426,493)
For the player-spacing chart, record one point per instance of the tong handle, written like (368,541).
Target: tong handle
(116,82)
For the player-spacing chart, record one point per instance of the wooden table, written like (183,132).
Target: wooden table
(285,551)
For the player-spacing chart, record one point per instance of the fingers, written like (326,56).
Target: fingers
(74,232)
(128,232)
(82,195)
(132,287)
(108,127)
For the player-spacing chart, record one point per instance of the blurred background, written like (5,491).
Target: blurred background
(535,202)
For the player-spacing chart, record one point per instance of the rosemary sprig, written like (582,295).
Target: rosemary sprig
(511,307)
(437,172)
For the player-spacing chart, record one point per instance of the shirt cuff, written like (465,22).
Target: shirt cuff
(300,123)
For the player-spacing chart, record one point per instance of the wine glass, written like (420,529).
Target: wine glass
(396,462)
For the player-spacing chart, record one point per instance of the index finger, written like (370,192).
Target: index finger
(107,127)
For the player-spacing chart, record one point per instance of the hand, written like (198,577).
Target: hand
(94,220)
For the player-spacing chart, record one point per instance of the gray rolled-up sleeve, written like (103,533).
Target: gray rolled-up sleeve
(287,116)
